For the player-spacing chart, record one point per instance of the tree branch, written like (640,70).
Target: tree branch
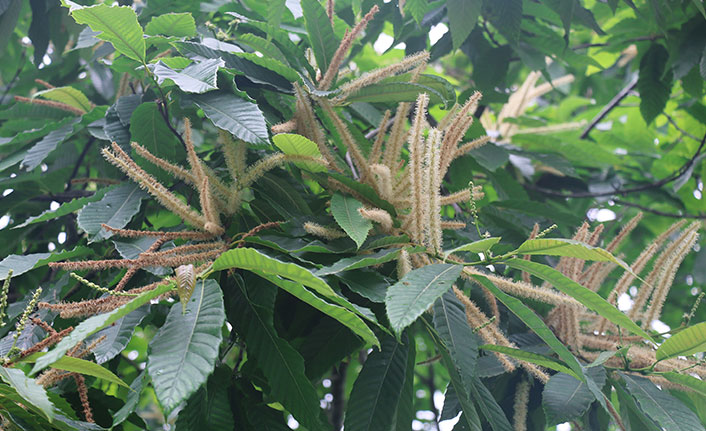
(609,107)
(660,213)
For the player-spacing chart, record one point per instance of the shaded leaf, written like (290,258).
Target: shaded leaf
(172,24)
(663,408)
(463,15)
(480,246)
(82,366)
(282,366)
(27,388)
(415,292)
(131,400)
(115,209)
(209,407)
(345,210)
(654,83)
(20,264)
(321,37)
(65,208)
(232,113)
(184,351)
(360,261)
(378,388)
(39,151)
(460,341)
(564,398)
(147,128)
(118,335)
(535,358)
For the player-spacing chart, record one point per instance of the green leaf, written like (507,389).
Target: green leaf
(94,324)
(115,209)
(147,128)
(565,398)
(118,335)
(345,210)
(253,260)
(27,388)
(272,64)
(41,150)
(463,15)
(344,316)
(488,406)
(321,37)
(399,89)
(360,261)
(197,77)
(281,365)
(232,113)
(685,342)
(363,190)
(535,358)
(209,407)
(67,95)
(82,366)
(568,248)
(117,25)
(460,341)
(654,83)
(368,284)
(131,400)
(690,382)
(480,246)
(184,351)
(535,323)
(587,297)
(663,408)
(417,291)
(65,208)
(20,264)
(172,24)
(378,388)
(267,48)
(298,145)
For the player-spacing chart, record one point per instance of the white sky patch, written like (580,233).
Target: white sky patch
(436,32)
(61,237)
(295,7)
(600,214)
(4,221)
(660,327)
(292,423)
(625,302)
(51,246)
(449,424)
(439,400)
(563,427)
(54,205)
(383,43)
(7,192)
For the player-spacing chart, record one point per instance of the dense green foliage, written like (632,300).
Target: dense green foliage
(228,214)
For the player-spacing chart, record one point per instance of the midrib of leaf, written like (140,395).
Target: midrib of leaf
(191,336)
(242,124)
(576,391)
(436,277)
(137,54)
(382,380)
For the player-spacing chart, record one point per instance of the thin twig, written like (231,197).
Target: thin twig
(654,185)
(658,212)
(14,78)
(609,107)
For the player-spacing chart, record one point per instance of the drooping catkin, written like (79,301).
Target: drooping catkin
(420,201)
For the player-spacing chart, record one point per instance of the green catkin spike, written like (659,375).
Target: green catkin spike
(3,298)
(98,288)
(23,321)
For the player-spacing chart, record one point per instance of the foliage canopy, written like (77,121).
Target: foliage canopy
(361,214)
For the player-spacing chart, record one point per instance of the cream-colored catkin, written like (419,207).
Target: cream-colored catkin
(647,287)
(383,176)
(669,271)
(456,197)
(519,417)
(420,202)
(395,142)
(377,215)
(323,231)
(404,264)
(376,150)
(432,230)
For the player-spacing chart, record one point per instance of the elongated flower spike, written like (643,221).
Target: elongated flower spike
(3,297)
(323,231)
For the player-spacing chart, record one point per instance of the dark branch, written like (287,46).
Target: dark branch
(660,213)
(609,107)
(622,192)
